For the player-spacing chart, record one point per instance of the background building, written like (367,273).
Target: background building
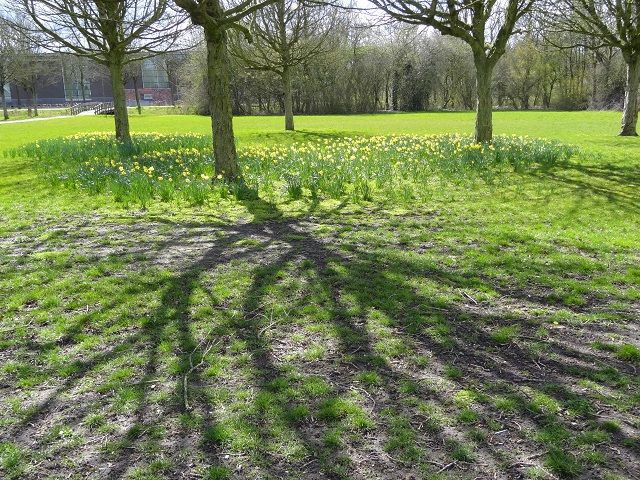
(66,79)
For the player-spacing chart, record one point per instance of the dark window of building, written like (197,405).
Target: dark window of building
(153,75)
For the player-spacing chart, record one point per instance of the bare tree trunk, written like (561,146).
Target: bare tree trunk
(386,94)
(484,106)
(547,93)
(35,101)
(67,84)
(594,80)
(137,92)
(120,114)
(630,111)
(84,95)
(4,103)
(29,100)
(224,147)
(395,90)
(288,98)
(18,98)
(174,88)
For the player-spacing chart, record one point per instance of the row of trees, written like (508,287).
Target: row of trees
(268,35)
(112,33)
(407,69)
(352,70)
(23,63)
(20,64)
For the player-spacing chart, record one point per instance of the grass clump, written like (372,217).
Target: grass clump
(217,434)
(217,472)
(628,352)
(562,463)
(12,460)
(505,334)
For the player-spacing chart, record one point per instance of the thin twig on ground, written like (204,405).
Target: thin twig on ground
(185,379)
(446,467)
(469,297)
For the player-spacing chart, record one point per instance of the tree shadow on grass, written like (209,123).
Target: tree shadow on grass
(617,185)
(314,357)
(300,136)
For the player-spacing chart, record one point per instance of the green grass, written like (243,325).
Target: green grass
(379,169)
(23,113)
(590,130)
(446,332)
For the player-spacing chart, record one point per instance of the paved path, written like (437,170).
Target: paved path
(35,119)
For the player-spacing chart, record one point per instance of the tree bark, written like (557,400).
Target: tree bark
(29,100)
(395,90)
(386,93)
(224,147)
(137,92)
(18,98)
(84,95)
(484,105)
(630,111)
(35,101)
(174,86)
(288,98)
(594,81)
(5,112)
(67,84)
(120,114)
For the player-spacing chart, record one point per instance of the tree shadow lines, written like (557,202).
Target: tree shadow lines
(286,309)
(617,185)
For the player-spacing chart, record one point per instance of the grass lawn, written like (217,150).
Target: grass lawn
(480,330)
(23,113)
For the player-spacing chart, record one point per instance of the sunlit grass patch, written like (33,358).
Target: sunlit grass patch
(629,352)
(13,460)
(562,463)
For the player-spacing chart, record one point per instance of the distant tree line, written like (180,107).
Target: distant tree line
(411,69)
(350,67)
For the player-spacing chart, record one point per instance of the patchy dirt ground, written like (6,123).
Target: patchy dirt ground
(310,349)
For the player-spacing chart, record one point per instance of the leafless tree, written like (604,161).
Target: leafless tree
(31,67)
(7,56)
(284,35)
(111,32)
(485,25)
(171,63)
(606,23)
(75,74)
(133,71)
(522,70)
